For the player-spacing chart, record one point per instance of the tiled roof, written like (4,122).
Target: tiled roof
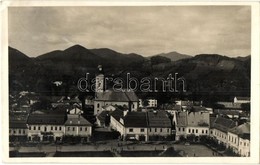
(242,130)
(117,114)
(17,124)
(227,112)
(193,119)
(198,119)
(103,115)
(77,120)
(55,117)
(223,124)
(110,95)
(135,119)
(158,119)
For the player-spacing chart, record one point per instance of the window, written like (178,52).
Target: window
(235,140)
(150,129)
(179,129)
(19,131)
(39,128)
(98,105)
(51,128)
(168,130)
(202,131)
(86,128)
(142,130)
(80,129)
(211,132)
(34,128)
(56,128)
(133,106)
(60,128)
(45,129)
(73,128)
(30,128)
(161,130)
(196,130)
(155,130)
(10,131)
(68,128)
(14,131)
(189,130)
(206,131)
(23,131)
(183,129)
(192,130)
(131,130)
(244,143)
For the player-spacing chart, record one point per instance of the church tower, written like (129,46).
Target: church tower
(100,79)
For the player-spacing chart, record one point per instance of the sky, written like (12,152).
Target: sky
(144,30)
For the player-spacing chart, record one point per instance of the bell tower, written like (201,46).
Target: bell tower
(100,80)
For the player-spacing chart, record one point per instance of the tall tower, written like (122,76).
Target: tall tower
(100,80)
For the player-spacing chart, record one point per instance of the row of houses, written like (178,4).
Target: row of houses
(50,126)
(142,126)
(224,130)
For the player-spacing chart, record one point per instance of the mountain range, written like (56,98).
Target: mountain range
(204,73)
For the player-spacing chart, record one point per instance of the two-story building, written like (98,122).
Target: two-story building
(219,128)
(142,126)
(239,139)
(77,125)
(195,122)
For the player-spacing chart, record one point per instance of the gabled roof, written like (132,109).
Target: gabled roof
(135,119)
(111,95)
(242,130)
(77,120)
(52,119)
(223,124)
(227,112)
(193,119)
(101,116)
(17,124)
(158,119)
(117,114)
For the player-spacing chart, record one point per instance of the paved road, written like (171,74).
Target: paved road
(191,150)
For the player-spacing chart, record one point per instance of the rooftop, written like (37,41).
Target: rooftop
(135,119)
(223,124)
(17,124)
(77,120)
(158,119)
(110,95)
(242,130)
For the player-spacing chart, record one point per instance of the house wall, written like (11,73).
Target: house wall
(244,147)
(117,125)
(18,131)
(136,132)
(57,130)
(159,131)
(233,141)
(197,131)
(220,136)
(78,130)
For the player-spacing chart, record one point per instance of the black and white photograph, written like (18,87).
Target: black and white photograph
(158,81)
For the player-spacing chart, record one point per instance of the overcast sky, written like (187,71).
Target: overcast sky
(143,30)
